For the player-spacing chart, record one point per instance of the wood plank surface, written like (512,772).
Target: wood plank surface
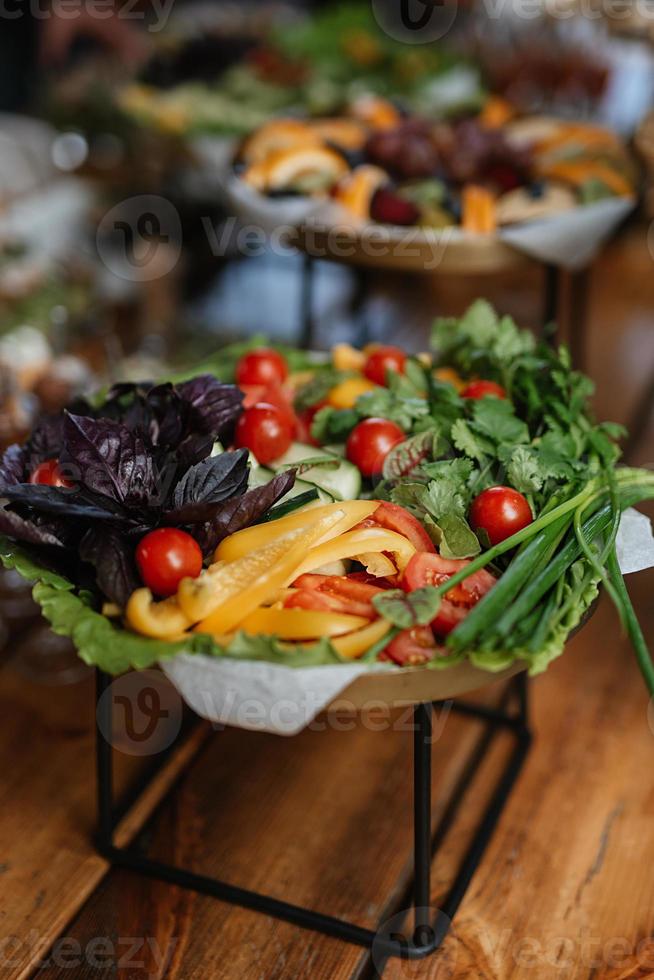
(324,819)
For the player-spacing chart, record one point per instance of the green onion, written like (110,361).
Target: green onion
(541,584)
(631,622)
(512,581)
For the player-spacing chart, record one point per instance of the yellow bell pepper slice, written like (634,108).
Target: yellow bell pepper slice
(377,564)
(346,393)
(162,620)
(252,538)
(242,586)
(347,358)
(300,624)
(354,645)
(356,543)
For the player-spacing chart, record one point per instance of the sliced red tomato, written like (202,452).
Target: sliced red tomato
(339,593)
(368,579)
(431,569)
(411,648)
(396,518)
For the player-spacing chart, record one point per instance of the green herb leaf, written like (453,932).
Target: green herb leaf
(457,540)
(408,609)
(333,424)
(386,404)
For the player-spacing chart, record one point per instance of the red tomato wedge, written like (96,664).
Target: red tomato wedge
(431,569)
(411,648)
(396,518)
(339,593)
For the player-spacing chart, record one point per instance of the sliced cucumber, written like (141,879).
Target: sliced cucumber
(260,475)
(342,482)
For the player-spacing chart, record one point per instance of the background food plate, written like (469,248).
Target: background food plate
(570,239)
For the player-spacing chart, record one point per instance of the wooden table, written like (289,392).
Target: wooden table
(565,890)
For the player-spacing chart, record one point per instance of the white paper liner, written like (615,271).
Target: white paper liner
(284,700)
(570,240)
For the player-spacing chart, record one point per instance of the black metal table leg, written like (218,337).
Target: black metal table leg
(104,762)
(578,316)
(306,303)
(422,734)
(552,295)
(428,931)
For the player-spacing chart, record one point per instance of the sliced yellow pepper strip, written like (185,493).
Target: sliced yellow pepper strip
(356,543)
(252,538)
(377,564)
(300,624)
(346,393)
(248,582)
(354,645)
(161,620)
(347,358)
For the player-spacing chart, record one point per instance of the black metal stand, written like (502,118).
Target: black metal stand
(428,931)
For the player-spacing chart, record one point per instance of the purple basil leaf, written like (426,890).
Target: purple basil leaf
(112,556)
(111,460)
(45,441)
(52,500)
(208,483)
(193,449)
(215,406)
(12,466)
(22,529)
(167,416)
(240,512)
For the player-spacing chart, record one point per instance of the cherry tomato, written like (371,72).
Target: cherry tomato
(272,394)
(370,442)
(384,359)
(501,512)
(483,389)
(303,426)
(396,518)
(165,556)
(410,648)
(49,474)
(429,569)
(265,431)
(262,366)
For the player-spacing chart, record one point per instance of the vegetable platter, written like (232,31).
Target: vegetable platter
(284,526)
